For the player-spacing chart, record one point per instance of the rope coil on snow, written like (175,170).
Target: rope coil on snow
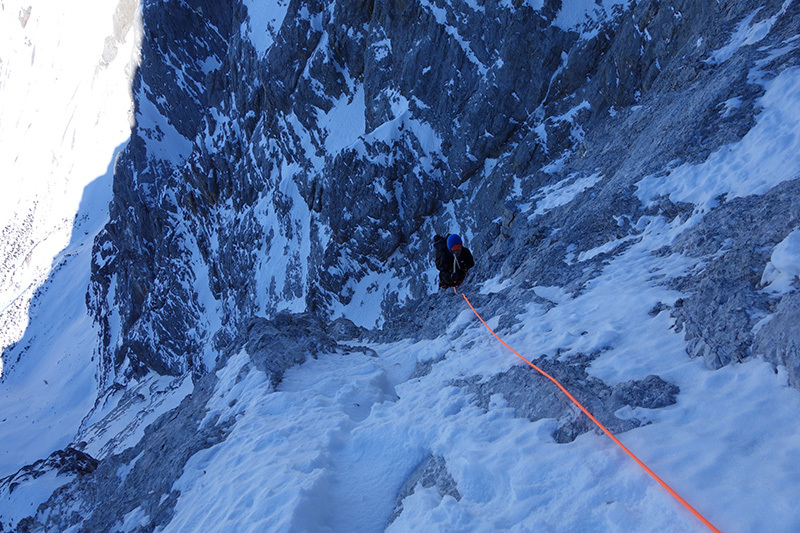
(605,430)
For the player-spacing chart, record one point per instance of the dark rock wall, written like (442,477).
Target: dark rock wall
(234,199)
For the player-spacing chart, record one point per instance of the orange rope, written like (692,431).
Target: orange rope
(597,422)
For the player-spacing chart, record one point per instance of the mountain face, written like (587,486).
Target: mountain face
(282,167)
(291,162)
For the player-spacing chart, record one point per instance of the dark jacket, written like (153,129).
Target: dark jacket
(452,268)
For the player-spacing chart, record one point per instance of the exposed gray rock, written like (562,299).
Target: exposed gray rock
(343,329)
(432,472)
(535,397)
(39,479)
(68,461)
(284,341)
(430,317)
(725,300)
(651,392)
(779,340)
(142,254)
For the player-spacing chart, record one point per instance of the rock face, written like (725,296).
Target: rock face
(145,251)
(45,475)
(530,397)
(287,340)
(779,340)
(726,301)
(281,176)
(290,164)
(63,462)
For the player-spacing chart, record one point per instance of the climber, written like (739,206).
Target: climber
(453,260)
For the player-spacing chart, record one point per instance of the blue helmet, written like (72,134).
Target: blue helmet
(453,240)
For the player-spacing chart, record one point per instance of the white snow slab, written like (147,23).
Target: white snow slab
(264,21)
(783,269)
(767,155)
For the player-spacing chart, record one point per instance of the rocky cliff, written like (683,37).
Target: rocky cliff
(281,167)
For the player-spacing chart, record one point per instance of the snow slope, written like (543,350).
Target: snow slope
(65,115)
(332,446)
(66,110)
